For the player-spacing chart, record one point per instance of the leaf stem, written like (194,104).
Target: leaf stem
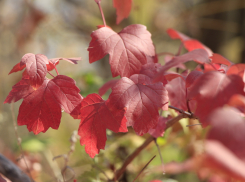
(101,12)
(51,74)
(56,70)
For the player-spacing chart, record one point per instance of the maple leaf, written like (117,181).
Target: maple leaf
(35,67)
(217,58)
(17,68)
(142,98)
(127,49)
(96,117)
(189,43)
(236,69)
(55,61)
(20,90)
(214,86)
(123,9)
(42,108)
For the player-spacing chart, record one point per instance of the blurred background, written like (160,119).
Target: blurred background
(62,28)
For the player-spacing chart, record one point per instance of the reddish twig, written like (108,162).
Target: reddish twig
(131,157)
(101,12)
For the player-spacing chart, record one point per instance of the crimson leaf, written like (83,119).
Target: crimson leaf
(96,117)
(35,67)
(142,99)
(127,49)
(123,9)
(42,108)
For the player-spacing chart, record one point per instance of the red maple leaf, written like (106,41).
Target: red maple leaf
(42,108)
(127,49)
(36,68)
(160,128)
(189,43)
(142,99)
(20,90)
(17,68)
(217,58)
(212,90)
(96,117)
(123,9)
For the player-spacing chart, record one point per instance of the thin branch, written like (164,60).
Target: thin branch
(144,167)
(73,141)
(180,49)
(190,115)
(131,157)
(102,14)
(19,141)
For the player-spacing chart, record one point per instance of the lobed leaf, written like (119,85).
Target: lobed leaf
(96,117)
(127,49)
(123,9)
(35,68)
(142,98)
(41,109)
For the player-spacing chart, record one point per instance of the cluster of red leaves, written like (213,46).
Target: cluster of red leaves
(145,87)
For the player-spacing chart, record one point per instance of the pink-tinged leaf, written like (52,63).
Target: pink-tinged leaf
(17,68)
(35,67)
(212,90)
(127,49)
(218,59)
(209,67)
(177,93)
(96,117)
(152,59)
(160,128)
(192,77)
(123,9)
(42,108)
(97,1)
(198,54)
(19,90)
(142,99)
(236,69)
(223,161)
(189,43)
(107,86)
